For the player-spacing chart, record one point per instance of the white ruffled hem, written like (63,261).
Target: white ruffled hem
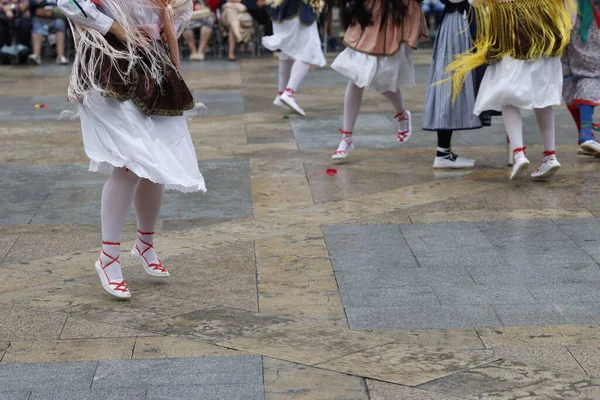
(107,167)
(297,41)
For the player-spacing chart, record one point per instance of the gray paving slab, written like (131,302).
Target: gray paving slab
(522,231)
(106,394)
(70,194)
(16,108)
(208,392)
(378,278)
(368,247)
(427,239)
(441,259)
(210,65)
(47,376)
(422,316)
(387,297)
(52,69)
(529,314)
(534,274)
(482,294)
(580,230)
(566,293)
(218,370)
(592,249)
(377,131)
(15,395)
(581,313)
(218,103)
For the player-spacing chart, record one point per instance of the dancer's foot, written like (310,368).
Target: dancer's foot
(346,146)
(548,167)
(404,126)
(590,146)
(520,165)
(446,159)
(108,268)
(144,253)
(197,57)
(288,97)
(582,152)
(278,101)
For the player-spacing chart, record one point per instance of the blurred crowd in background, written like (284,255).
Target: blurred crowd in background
(36,30)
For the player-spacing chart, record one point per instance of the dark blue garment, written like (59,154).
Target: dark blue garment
(292,8)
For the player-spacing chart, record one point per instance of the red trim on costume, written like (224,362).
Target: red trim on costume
(343,132)
(549,153)
(585,103)
(517,150)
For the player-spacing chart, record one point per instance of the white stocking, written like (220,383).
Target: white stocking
(285,69)
(148,200)
(117,197)
(545,121)
(299,71)
(514,127)
(395,98)
(352,102)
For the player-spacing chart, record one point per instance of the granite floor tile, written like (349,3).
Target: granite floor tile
(77,328)
(527,336)
(69,350)
(208,392)
(408,365)
(177,346)
(483,294)
(388,297)
(15,395)
(19,323)
(217,370)
(47,376)
(422,316)
(530,314)
(286,381)
(305,343)
(388,391)
(522,231)
(105,394)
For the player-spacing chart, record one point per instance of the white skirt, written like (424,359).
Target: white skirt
(117,134)
(520,83)
(297,41)
(384,74)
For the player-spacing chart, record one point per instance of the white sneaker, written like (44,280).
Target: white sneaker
(404,126)
(62,60)
(279,103)
(590,146)
(582,152)
(33,59)
(344,149)
(520,167)
(288,97)
(547,168)
(453,161)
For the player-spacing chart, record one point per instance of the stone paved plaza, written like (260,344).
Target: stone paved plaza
(385,281)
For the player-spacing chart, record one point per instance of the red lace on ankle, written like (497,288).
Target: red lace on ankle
(402,135)
(345,139)
(279,93)
(155,266)
(120,286)
(291,92)
(549,153)
(520,149)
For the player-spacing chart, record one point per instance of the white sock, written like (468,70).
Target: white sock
(395,98)
(545,121)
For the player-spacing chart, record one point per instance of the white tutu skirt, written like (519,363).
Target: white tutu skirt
(297,41)
(383,74)
(520,83)
(117,134)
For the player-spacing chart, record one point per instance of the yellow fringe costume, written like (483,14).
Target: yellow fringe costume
(521,29)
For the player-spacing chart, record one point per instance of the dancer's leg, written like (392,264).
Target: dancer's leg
(188,36)
(402,116)
(445,158)
(545,121)
(147,202)
(514,128)
(549,165)
(117,197)
(297,75)
(352,101)
(205,34)
(574,110)
(444,138)
(285,70)
(586,117)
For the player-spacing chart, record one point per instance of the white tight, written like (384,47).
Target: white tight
(353,99)
(122,189)
(292,73)
(514,126)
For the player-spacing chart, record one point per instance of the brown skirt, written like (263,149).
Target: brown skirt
(171,97)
